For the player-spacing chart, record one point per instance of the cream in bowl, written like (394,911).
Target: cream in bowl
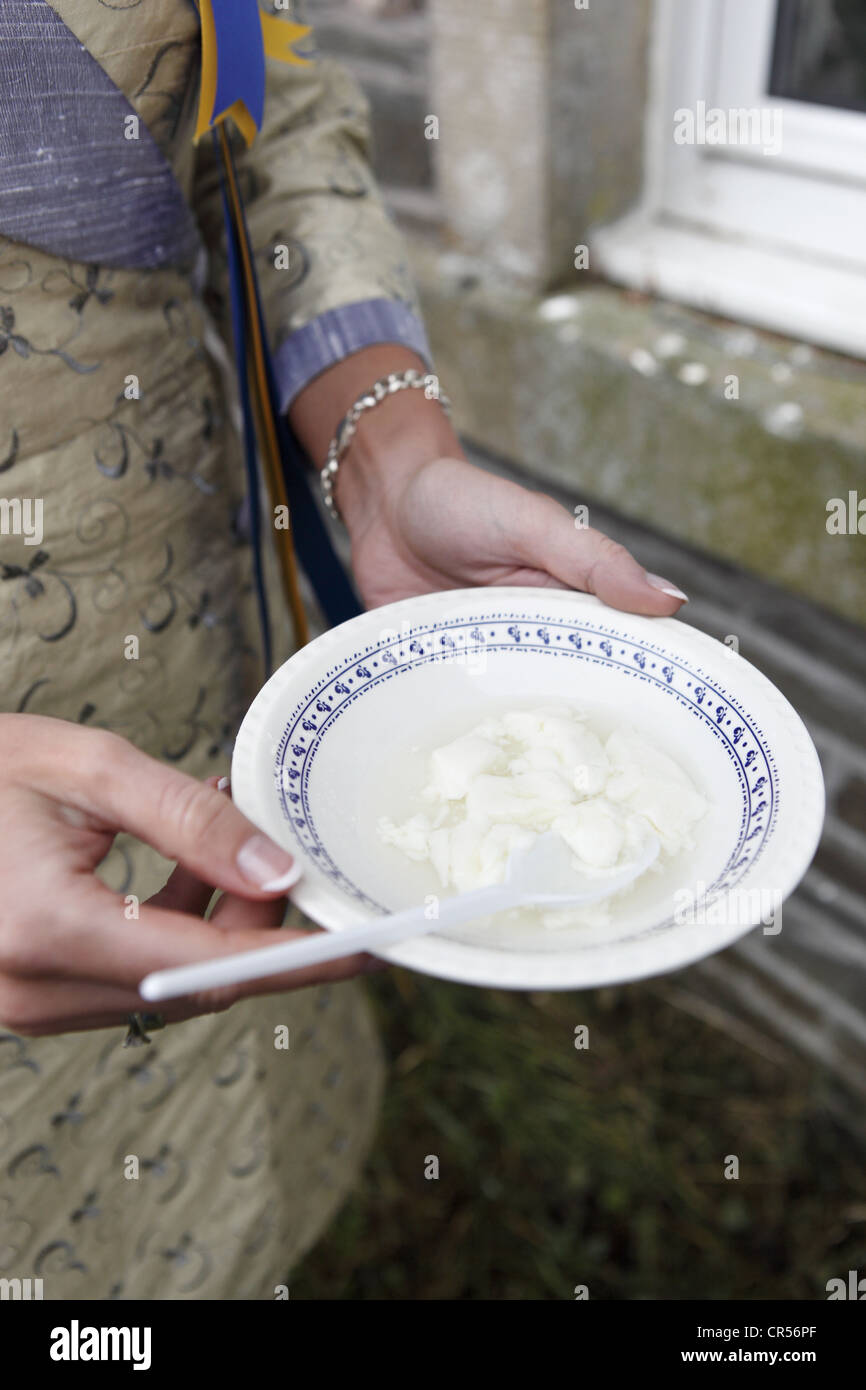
(518,774)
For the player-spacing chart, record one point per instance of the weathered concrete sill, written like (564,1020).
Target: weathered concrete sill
(622,400)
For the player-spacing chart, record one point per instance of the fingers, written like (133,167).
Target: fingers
(186,820)
(187,894)
(183,892)
(88,937)
(521,527)
(234,914)
(586,559)
(36,1008)
(33,1008)
(72,953)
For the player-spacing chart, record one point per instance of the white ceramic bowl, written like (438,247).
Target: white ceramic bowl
(339,736)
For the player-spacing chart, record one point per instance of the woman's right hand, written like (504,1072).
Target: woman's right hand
(71,950)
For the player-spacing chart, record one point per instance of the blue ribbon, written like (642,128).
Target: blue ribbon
(239,336)
(240,57)
(314,548)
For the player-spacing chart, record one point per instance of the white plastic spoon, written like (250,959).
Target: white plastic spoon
(542,875)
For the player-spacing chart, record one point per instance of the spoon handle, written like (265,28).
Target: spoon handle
(318,947)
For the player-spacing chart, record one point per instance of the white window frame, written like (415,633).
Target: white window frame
(778,240)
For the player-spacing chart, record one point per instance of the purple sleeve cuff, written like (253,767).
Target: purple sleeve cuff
(337,333)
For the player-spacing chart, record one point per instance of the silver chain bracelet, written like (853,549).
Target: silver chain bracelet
(387,386)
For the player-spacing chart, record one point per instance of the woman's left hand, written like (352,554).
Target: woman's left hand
(447,524)
(421,517)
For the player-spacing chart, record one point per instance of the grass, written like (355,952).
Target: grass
(601,1167)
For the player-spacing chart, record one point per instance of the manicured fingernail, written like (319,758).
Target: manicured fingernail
(666,587)
(223,784)
(267,866)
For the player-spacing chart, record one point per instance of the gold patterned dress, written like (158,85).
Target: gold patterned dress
(244,1149)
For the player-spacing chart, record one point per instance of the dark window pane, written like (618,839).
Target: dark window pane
(819,53)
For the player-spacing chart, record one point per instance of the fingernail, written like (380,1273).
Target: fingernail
(666,587)
(267,866)
(223,784)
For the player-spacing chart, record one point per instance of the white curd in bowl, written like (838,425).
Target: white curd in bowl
(516,775)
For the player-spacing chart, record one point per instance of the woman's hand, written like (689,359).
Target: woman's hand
(450,525)
(71,951)
(421,517)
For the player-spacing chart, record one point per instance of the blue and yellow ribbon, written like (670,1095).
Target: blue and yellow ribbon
(236,38)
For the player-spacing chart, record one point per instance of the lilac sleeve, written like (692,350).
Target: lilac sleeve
(337,333)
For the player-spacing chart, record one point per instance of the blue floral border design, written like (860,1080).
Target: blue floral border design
(445,641)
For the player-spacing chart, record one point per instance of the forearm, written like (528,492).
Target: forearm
(403,432)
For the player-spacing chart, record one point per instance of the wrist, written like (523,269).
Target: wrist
(392,442)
